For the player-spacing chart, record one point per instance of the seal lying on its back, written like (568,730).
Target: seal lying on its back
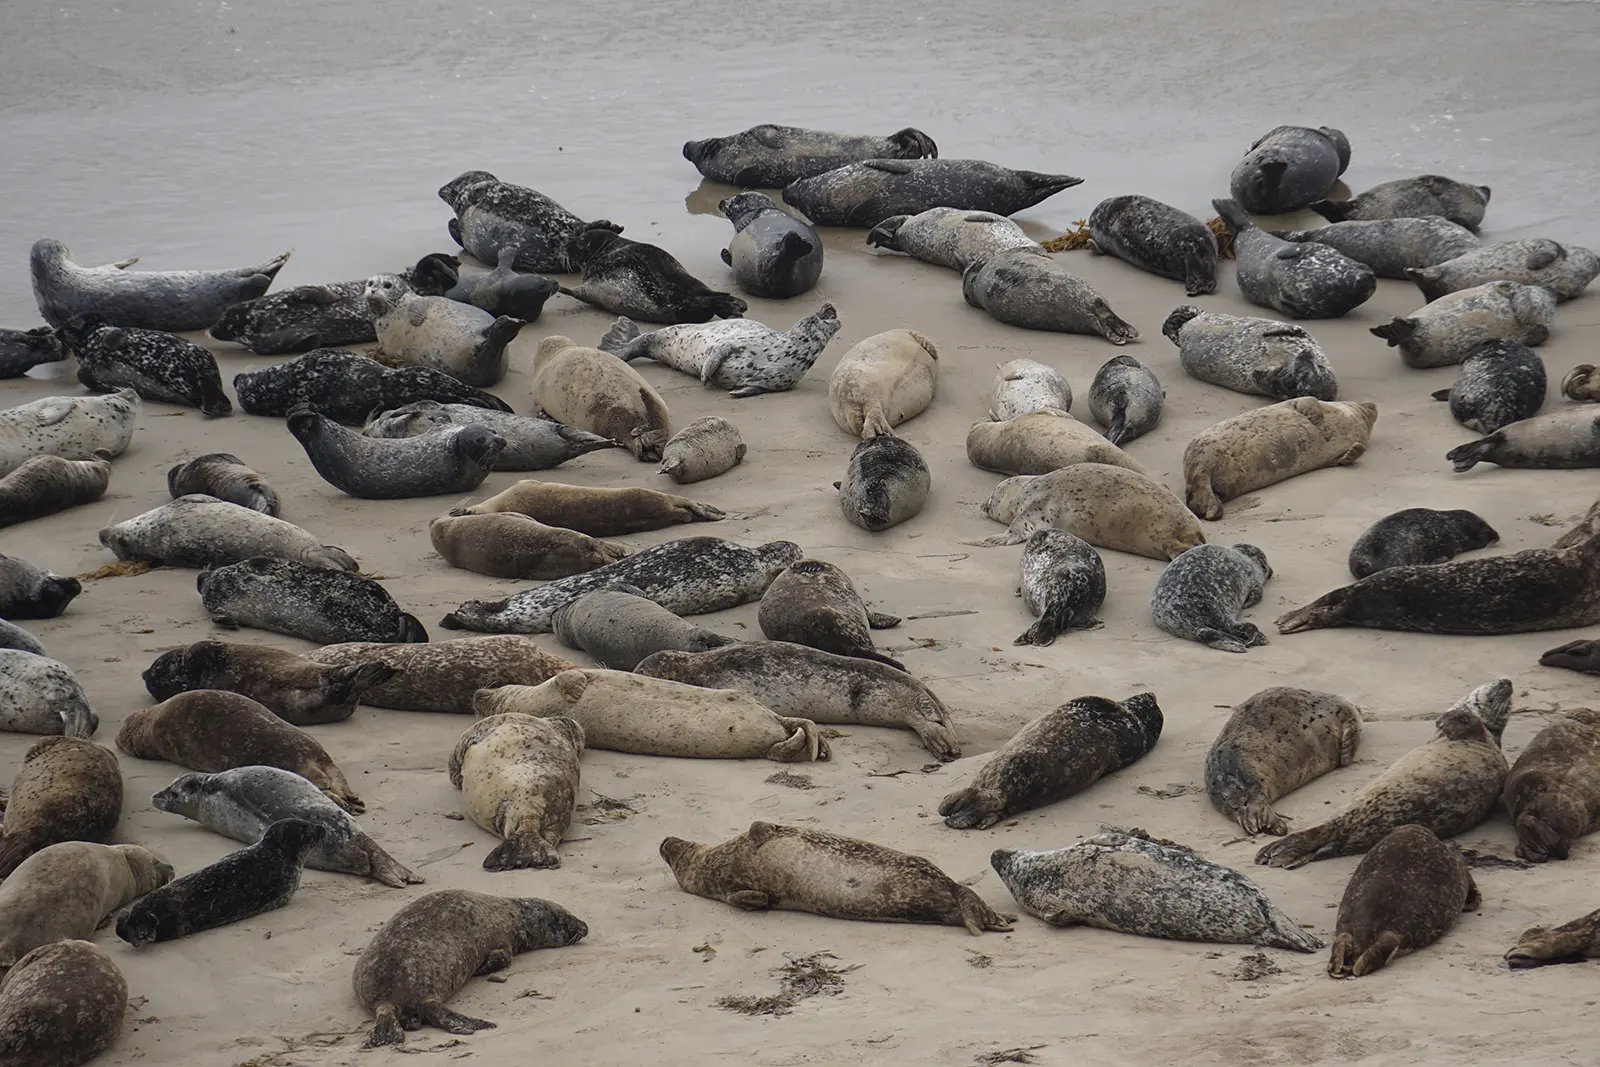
(596,391)
(176,301)
(642,281)
(443,676)
(1405,198)
(883,381)
(1289,168)
(1564,270)
(619,629)
(1126,398)
(1029,287)
(1261,357)
(1390,246)
(1135,885)
(296,689)
(348,387)
(1063,583)
(1570,942)
(519,777)
(772,253)
(1553,791)
(453,460)
(202,531)
(1562,440)
(1040,442)
(67,789)
(1453,326)
(41,696)
(492,215)
(1304,281)
(1418,536)
(864,194)
(744,357)
(1405,894)
(596,511)
(949,237)
(1275,742)
(1500,383)
(27,592)
(70,890)
(770,156)
(1107,506)
(1024,386)
(799,869)
(224,476)
(322,606)
(1154,237)
(885,484)
(23,350)
(72,427)
(156,365)
(503,292)
(815,603)
(1200,594)
(45,485)
(532,444)
(463,341)
(61,1005)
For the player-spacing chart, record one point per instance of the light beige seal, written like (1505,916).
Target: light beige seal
(596,391)
(1040,442)
(883,381)
(511,545)
(1109,507)
(442,675)
(703,449)
(594,510)
(519,777)
(70,890)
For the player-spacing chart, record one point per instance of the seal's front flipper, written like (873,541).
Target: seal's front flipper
(498,960)
(749,900)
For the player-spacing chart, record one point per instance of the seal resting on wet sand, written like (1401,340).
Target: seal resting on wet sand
(769,156)
(1029,287)
(864,194)
(1109,507)
(1304,281)
(1275,742)
(442,676)
(642,281)
(532,444)
(745,357)
(949,237)
(1419,197)
(1452,327)
(705,448)
(1405,894)
(1565,270)
(886,483)
(348,387)
(1156,238)
(1200,594)
(595,510)
(1040,442)
(1565,439)
(1023,386)
(492,215)
(39,695)
(620,628)
(224,476)
(503,292)
(772,253)
(29,592)
(463,341)
(1063,584)
(509,545)
(518,775)
(156,365)
(1126,398)
(72,427)
(23,350)
(322,606)
(455,459)
(1553,791)
(1289,167)
(596,391)
(1255,356)
(1391,246)
(1570,942)
(296,689)
(1500,383)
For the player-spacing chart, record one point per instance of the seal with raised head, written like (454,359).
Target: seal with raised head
(1126,398)
(1452,327)
(509,545)
(619,629)
(643,281)
(1390,246)
(1562,440)
(455,459)
(492,215)
(430,948)
(598,511)
(1136,885)
(1448,785)
(16,638)
(72,427)
(1063,585)
(503,292)
(1275,742)
(864,194)
(772,253)
(296,689)
(1109,507)
(320,605)
(29,592)
(23,350)
(1571,942)
(156,365)
(1289,167)
(1500,383)
(1405,198)
(771,156)
(815,603)
(224,476)
(532,444)
(1565,270)
(1553,791)
(39,695)
(463,341)
(596,391)
(949,237)
(1254,356)
(67,789)
(1418,536)
(1040,442)
(45,485)
(885,484)
(745,357)
(443,676)
(1029,287)
(175,301)
(1304,281)
(1058,755)
(1023,386)
(1156,238)
(202,531)
(70,890)
(1200,594)
(797,868)
(1405,894)
(61,1005)
(519,777)
(213,730)
(882,381)
(707,447)
(348,387)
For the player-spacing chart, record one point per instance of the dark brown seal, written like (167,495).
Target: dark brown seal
(814,603)
(598,512)
(296,689)
(68,789)
(443,675)
(1405,894)
(1553,791)
(1568,943)
(512,545)
(1582,656)
(61,1005)
(1274,743)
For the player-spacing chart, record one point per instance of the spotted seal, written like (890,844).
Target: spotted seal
(63,1003)
(39,695)
(1255,356)
(1058,755)
(596,391)
(1029,287)
(67,789)
(1570,942)
(595,510)
(455,459)
(707,447)
(619,628)
(1200,594)
(1040,442)
(1564,270)
(1063,585)
(518,775)
(1500,383)
(1562,440)
(1304,281)
(224,475)
(1552,793)
(509,545)
(1390,246)
(45,485)
(202,531)
(296,689)
(23,350)
(156,365)
(885,483)
(29,592)
(772,253)
(492,215)
(1289,168)
(322,606)
(643,281)
(882,381)
(1135,885)
(744,357)
(770,156)
(439,332)
(1452,327)
(532,444)
(1417,536)
(1448,785)
(15,637)
(1126,398)
(443,676)
(348,387)
(1023,386)
(504,292)
(949,237)
(1276,741)
(1109,507)
(72,427)
(70,890)
(814,603)
(1419,197)
(1156,238)
(1405,894)
(864,194)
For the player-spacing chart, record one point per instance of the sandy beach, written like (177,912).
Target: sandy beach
(214,135)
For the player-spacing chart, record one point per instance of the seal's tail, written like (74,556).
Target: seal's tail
(1044,186)
(390,871)
(1397,331)
(1469,455)
(976,915)
(1427,279)
(518,853)
(346,685)
(874,423)
(1332,210)
(886,234)
(1297,850)
(805,743)
(386,1028)
(1258,817)
(967,809)
(1538,841)
(411,631)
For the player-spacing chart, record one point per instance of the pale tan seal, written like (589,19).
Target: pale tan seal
(596,511)
(883,381)
(67,789)
(1553,791)
(61,1005)
(508,544)
(519,777)
(70,890)
(1040,442)
(296,689)
(1405,894)
(1109,507)
(442,675)
(1275,742)
(596,391)
(703,449)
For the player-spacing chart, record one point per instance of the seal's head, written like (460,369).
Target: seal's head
(1177,320)
(139,924)
(452,192)
(235,323)
(304,421)
(48,255)
(480,445)
(384,292)
(182,797)
(777,555)
(52,595)
(1341,145)
(676,851)
(743,208)
(912,143)
(698,152)
(1256,556)
(149,870)
(294,836)
(80,331)
(543,924)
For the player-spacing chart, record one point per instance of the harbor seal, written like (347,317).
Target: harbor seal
(492,215)
(15,637)
(1023,386)
(595,510)
(1268,445)
(949,237)
(70,890)
(796,868)
(503,293)
(1126,398)
(1109,507)
(1448,785)
(442,677)
(1405,894)
(72,427)
(1581,384)
(882,381)
(61,1005)
(619,629)
(1551,793)
(1390,246)
(295,689)
(1581,656)
(348,387)
(1063,585)
(1275,742)
(1500,383)
(455,459)
(45,485)
(1419,197)
(463,341)
(800,682)
(1200,594)
(885,483)
(1254,356)
(213,730)
(202,531)
(1040,442)
(814,603)
(29,592)
(643,281)
(532,444)
(23,350)
(156,365)
(864,194)
(1571,942)
(1156,238)
(519,777)
(772,253)
(1304,281)
(39,695)
(430,948)
(1452,327)
(1056,756)
(745,357)
(224,475)
(322,606)
(1417,536)
(627,712)
(1562,440)
(67,789)
(175,301)
(1134,885)
(1029,287)
(705,448)
(509,545)
(1564,270)
(1289,168)
(596,391)
(770,156)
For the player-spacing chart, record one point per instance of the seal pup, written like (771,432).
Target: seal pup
(772,253)
(39,695)
(1419,197)
(1571,942)
(67,789)
(1200,594)
(1156,238)
(618,629)
(430,948)
(797,868)
(1405,894)
(705,448)
(1390,246)
(797,681)
(61,1005)
(72,427)
(1040,442)
(70,890)
(295,689)
(492,215)
(175,301)
(1500,383)
(519,777)
(156,365)
(532,444)
(241,885)
(1553,791)
(1029,287)
(287,597)
(455,459)
(598,511)
(1275,742)
(885,484)
(1126,397)
(1304,281)
(882,381)
(1109,507)
(15,637)
(213,730)
(1063,585)
(1452,327)
(596,391)
(864,194)
(627,712)
(29,592)
(643,281)
(503,292)
(1254,356)
(23,350)
(1418,536)
(442,677)
(348,387)
(438,332)
(509,545)
(771,156)
(1448,785)
(1023,386)
(1056,756)
(1564,270)
(744,357)
(223,475)
(1289,168)
(949,237)
(1135,885)
(45,485)
(814,603)
(202,531)
(1268,445)
(1562,440)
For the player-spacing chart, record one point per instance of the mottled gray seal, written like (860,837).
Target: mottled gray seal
(1157,238)
(1288,168)
(596,391)
(744,357)
(1565,270)
(70,890)
(532,444)
(224,476)
(1275,742)
(1255,356)
(949,237)
(39,695)
(1063,585)
(503,292)
(455,459)
(15,637)
(1417,536)
(864,194)
(814,603)
(67,789)
(509,545)
(492,215)
(1405,894)
(443,676)
(688,577)
(1304,281)
(882,381)
(707,447)
(643,281)
(800,869)
(348,387)
(1126,398)
(1419,197)
(1562,440)
(1265,446)
(885,483)
(1553,791)
(156,365)
(1452,327)
(29,592)
(519,777)
(202,531)
(1135,885)
(1390,246)
(1023,386)
(619,629)
(1500,383)
(72,427)
(61,1005)
(770,156)
(1029,287)
(1200,594)
(1109,507)
(1449,785)
(1570,942)
(430,948)
(1058,755)
(45,485)
(176,301)
(322,606)
(1040,442)
(23,350)
(440,333)
(772,253)
(292,687)
(595,510)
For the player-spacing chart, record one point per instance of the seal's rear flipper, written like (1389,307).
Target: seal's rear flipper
(616,338)
(1379,956)
(966,809)
(704,512)
(793,247)
(517,853)
(1233,214)
(1286,933)
(452,1022)
(1469,455)
(976,915)
(386,1028)
(1297,850)
(805,743)
(390,871)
